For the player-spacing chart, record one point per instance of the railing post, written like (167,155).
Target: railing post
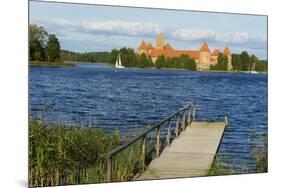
(177,126)
(158,142)
(189,114)
(143,152)
(183,120)
(168,136)
(226,120)
(109,168)
(194,109)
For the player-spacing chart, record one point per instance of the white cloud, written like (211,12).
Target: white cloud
(193,34)
(147,29)
(242,39)
(233,37)
(107,27)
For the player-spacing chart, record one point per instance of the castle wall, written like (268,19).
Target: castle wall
(214,60)
(142,51)
(153,59)
(204,61)
(229,64)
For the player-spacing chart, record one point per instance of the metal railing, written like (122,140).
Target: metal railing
(182,120)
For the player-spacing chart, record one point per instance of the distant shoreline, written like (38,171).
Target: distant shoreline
(50,64)
(73,63)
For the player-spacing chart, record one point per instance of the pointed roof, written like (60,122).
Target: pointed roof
(168,47)
(205,47)
(160,35)
(143,45)
(226,51)
(216,52)
(149,46)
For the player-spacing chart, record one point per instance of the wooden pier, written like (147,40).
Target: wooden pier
(190,155)
(182,147)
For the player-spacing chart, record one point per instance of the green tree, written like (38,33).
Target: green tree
(150,62)
(128,57)
(143,61)
(261,66)
(114,53)
(245,59)
(187,62)
(37,42)
(53,48)
(253,61)
(160,62)
(236,62)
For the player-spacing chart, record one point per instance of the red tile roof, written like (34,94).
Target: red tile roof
(216,52)
(168,47)
(149,46)
(191,53)
(143,45)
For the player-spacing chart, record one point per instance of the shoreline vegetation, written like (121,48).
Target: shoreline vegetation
(45,50)
(61,155)
(66,155)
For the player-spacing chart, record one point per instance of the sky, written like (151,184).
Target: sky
(85,28)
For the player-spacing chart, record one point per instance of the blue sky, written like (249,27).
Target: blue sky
(102,28)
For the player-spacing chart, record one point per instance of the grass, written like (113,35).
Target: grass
(50,64)
(219,168)
(67,156)
(260,154)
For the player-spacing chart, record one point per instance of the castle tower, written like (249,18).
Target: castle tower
(142,48)
(204,57)
(160,41)
(227,52)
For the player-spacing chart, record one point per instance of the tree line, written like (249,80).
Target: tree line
(241,62)
(43,46)
(85,56)
(246,62)
(130,59)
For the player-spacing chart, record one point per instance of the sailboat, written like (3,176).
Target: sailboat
(118,63)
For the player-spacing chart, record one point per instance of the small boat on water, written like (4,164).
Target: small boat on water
(118,63)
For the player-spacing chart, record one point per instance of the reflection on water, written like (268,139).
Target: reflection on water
(128,99)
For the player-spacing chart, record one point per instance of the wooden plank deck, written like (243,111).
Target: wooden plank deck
(190,155)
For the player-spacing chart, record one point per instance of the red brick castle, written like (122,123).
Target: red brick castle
(203,57)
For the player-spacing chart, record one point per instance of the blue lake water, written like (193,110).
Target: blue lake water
(129,99)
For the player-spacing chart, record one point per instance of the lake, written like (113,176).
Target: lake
(130,98)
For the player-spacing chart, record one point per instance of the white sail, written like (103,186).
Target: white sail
(118,63)
(120,60)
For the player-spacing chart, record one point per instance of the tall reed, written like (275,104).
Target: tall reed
(61,156)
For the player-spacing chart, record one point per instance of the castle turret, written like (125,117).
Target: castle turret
(160,41)
(142,48)
(227,52)
(204,57)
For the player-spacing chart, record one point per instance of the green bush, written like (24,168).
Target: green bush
(61,156)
